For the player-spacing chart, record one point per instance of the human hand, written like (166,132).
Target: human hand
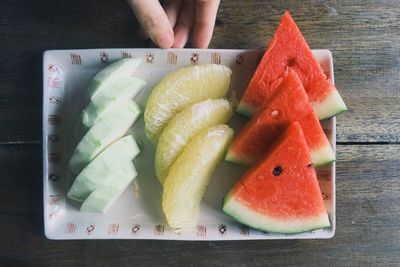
(174,22)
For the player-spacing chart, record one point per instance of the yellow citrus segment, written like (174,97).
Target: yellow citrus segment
(190,174)
(181,88)
(184,126)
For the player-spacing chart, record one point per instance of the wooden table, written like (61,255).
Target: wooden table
(364,37)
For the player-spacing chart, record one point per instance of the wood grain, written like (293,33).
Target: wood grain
(368,228)
(364,37)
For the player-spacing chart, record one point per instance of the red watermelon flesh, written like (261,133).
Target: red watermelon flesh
(289,103)
(288,48)
(281,192)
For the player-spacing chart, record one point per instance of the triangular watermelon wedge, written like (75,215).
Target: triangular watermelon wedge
(281,192)
(289,103)
(288,48)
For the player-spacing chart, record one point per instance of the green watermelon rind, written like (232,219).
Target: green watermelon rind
(331,106)
(245,109)
(326,156)
(340,112)
(233,158)
(323,163)
(248,217)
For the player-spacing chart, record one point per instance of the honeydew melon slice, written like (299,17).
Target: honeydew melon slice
(110,98)
(104,165)
(101,199)
(107,130)
(113,72)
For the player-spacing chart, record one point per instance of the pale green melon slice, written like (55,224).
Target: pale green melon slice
(113,72)
(110,160)
(101,199)
(110,98)
(106,131)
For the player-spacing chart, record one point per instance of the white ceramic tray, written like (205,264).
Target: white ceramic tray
(137,213)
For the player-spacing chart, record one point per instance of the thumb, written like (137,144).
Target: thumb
(154,21)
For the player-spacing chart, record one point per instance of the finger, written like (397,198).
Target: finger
(172,8)
(185,23)
(206,13)
(154,21)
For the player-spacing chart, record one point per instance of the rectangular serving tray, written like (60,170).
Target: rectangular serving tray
(137,214)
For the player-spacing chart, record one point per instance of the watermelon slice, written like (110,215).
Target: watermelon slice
(281,192)
(289,103)
(288,48)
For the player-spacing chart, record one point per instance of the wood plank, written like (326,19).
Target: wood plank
(368,229)
(364,37)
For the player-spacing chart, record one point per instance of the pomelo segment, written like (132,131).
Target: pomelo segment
(181,88)
(288,48)
(111,159)
(106,131)
(289,103)
(281,192)
(189,176)
(110,98)
(184,126)
(113,72)
(101,199)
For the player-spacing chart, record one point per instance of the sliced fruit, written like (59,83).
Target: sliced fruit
(101,199)
(113,72)
(104,165)
(189,176)
(281,192)
(184,126)
(80,130)
(106,131)
(289,103)
(288,48)
(181,88)
(110,98)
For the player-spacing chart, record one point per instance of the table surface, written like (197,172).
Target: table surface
(364,37)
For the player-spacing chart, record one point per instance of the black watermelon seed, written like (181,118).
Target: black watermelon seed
(291,62)
(277,171)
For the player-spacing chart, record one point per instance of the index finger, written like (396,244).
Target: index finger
(154,21)
(206,13)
